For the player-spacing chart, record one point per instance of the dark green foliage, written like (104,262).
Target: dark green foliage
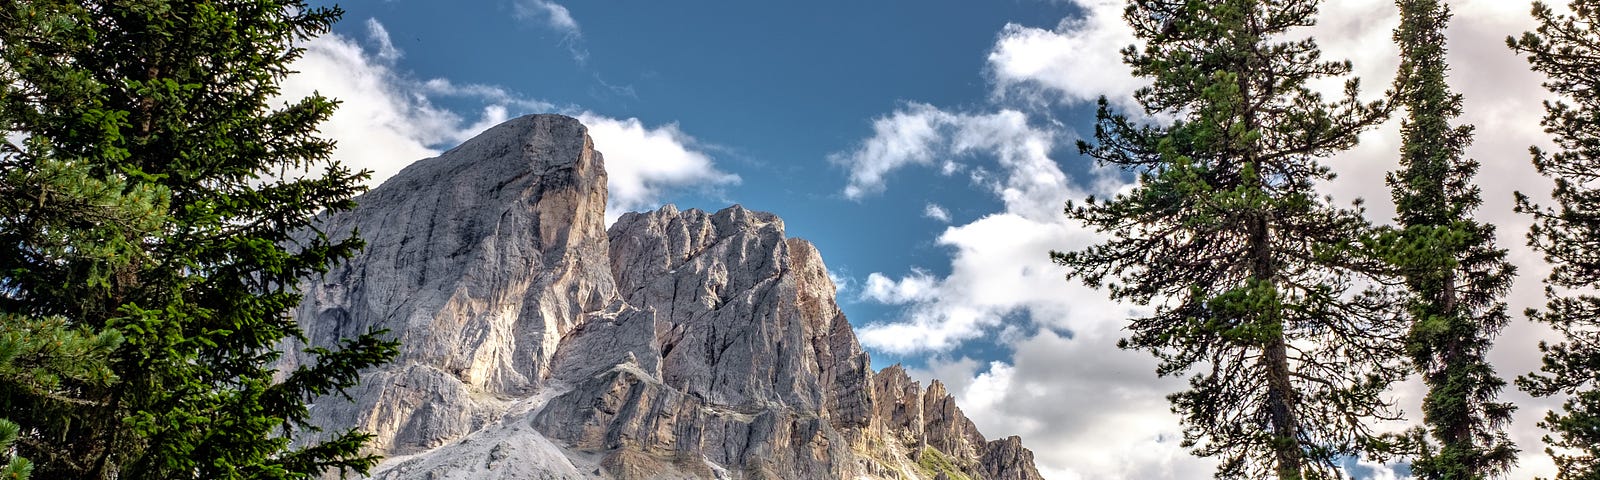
(149,206)
(1564,48)
(1455,274)
(15,468)
(1259,293)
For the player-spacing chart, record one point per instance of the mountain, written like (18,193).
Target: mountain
(536,344)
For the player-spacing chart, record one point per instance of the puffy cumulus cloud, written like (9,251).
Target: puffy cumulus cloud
(643,163)
(916,287)
(1085,408)
(1078,61)
(922,135)
(907,137)
(380,124)
(999,266)
(387,119)
(998,269)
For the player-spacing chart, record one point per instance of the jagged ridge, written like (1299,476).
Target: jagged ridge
(679,344)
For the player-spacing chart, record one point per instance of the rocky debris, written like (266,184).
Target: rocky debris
(676,345)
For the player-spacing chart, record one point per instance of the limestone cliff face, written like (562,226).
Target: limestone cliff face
(680,344)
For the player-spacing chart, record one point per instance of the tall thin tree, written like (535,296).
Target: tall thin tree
(1259,295)
(1452,269)
(1566,48)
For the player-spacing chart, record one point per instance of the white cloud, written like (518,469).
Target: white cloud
(936,212)
(379,35)
(923,135)
(1085,408)
(999,266)
(386,120)
(643,163)
(491,94)
(1077,61)
(908,137)
(380,125)
(998,270)
(552,14)
(556,17)
(957,374)
(1370,470)
(917,287)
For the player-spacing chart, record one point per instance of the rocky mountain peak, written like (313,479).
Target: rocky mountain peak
(676,344)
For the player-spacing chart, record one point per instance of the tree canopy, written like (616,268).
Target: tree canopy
(156,217)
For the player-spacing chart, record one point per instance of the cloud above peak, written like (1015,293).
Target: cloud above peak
(388,119)
(644,164)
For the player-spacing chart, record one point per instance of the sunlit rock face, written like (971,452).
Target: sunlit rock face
(677,345)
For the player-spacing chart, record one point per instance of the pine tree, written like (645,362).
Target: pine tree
(1455,274)
(1259,294)
(65,231)
(15,468)
(47,359)
(1564,48)
(155,214)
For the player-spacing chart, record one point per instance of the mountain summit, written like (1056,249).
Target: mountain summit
(677,345)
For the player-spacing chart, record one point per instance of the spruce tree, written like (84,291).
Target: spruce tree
(1566,48)
(1259,295)
(155,214)
(1452,269)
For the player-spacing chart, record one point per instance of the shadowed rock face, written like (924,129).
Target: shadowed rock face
(680,344)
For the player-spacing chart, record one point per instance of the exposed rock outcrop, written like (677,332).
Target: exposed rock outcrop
(680,344)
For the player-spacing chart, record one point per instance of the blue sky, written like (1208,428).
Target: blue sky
(769,91)
(926,148)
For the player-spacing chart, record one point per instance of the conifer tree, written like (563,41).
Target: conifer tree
(154,225)
(1566,48)
(1259,295)
(15,468)
(1452,269)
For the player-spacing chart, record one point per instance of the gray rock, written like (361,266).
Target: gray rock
(676,345)
(479,261)
(1006,459)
